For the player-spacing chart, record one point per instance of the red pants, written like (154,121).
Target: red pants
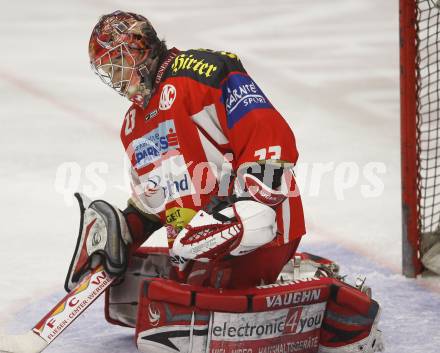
(259,267)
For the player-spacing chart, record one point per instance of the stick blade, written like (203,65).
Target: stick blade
(29,342)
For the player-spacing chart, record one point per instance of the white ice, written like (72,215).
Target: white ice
(330,67)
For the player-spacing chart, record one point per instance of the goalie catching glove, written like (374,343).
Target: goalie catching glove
(239,228)
(103,240)
(235,230)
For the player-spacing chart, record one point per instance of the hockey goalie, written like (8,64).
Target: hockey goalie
(212,174)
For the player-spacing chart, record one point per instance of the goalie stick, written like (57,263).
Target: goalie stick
(60,317)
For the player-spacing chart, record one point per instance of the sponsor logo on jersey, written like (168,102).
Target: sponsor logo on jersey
(150,148)
(241,95)
(179,217)
(170,187)
(199,66)
(169,181)
(167,97)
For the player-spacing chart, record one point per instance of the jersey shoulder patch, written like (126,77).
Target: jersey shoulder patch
(205,66)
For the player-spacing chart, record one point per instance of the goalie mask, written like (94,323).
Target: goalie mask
(124,52)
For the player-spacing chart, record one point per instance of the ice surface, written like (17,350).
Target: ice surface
(330,67)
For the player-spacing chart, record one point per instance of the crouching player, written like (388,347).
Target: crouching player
(308,309)
(200,127)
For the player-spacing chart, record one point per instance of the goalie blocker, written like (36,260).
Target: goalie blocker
(307,316)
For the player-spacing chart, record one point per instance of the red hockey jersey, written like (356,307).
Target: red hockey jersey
(206,118)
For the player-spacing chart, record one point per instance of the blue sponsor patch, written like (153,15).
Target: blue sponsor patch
(241,95)
(153,145)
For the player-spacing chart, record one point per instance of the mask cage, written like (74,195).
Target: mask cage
(116,68)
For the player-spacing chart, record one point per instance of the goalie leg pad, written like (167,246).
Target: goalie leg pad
(187,318)
(350,323)
(310,315)
(122,298)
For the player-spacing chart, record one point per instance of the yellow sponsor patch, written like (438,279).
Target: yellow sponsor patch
(184,62)
(179,217)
